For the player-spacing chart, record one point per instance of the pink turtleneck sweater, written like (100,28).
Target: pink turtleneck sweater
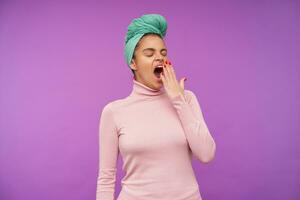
(156,137)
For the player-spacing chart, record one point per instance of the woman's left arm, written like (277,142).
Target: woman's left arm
(188,108)
(197,133)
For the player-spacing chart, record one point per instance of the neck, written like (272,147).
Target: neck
(140,89)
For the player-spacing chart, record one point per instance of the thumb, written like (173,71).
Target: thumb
(182,82)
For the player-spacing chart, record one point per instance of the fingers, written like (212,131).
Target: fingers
(166,72)
(162,75)
(165,76)
(172,72)
(169,72)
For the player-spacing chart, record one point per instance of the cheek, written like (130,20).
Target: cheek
(147,60)
(145,69)
(143,61)
(146,63)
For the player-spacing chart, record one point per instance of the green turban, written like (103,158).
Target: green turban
(149,23)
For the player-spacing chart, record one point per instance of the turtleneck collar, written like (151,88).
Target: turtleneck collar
(143,90)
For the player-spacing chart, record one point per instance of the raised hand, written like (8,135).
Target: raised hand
(171,85)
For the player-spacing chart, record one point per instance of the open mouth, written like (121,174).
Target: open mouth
(157,71)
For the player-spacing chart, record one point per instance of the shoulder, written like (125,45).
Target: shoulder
(113,106)
(109,107)
(106,111)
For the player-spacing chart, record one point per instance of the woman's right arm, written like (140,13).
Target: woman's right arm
(108,152)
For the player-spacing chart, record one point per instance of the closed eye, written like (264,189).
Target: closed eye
(163,54)
(152,50)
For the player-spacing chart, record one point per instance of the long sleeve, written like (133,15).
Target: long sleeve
(196,131)
(108,151)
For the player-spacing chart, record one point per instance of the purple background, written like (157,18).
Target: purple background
(60,63)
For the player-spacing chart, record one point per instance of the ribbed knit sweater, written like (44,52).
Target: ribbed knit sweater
(156,137)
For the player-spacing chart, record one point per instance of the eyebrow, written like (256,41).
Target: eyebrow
(152,49)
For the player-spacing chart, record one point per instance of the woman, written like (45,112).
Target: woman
(156,129)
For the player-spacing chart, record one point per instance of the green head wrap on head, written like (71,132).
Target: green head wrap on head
(149,23)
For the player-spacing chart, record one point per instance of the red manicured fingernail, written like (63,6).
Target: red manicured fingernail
(169,62)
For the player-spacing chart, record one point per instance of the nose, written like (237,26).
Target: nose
(159,57)
(159,60)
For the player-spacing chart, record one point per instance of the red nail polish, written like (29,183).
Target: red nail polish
(169,62)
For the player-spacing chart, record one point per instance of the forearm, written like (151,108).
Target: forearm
(106,184)
(196,131)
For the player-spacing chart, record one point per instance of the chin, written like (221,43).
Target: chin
(158,85)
